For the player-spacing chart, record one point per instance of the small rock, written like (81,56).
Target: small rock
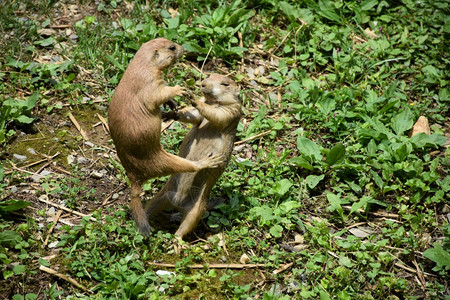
(164,273)
(51,211)
(73,37)
(82,160)
(223,258)
(244,259)
(70,159)
(46,32)
(298,239)
(13,189)
(115,196)
(31,151)
(89,144)
(359,233)
(96,175)
(53,244)
(421,126)
(370,33)
(36,177)
(45,173)
(19,157)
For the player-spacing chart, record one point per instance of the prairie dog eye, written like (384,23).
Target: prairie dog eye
(225,84)
(172,47)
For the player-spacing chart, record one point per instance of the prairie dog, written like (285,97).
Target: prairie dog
(135,122)
(215,119)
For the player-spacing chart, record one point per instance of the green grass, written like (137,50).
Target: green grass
(328,184)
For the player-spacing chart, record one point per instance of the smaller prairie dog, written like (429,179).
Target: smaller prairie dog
(135,122)
(215,119)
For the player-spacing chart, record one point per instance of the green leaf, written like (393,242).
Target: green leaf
(402,122)
(336,154)
(438,255)
(308,148)
(7,274)
(326,9)
(368,4)
(19,269)
(289,205)
(10,238)
(12,205)
(360,204)
(301,162)
(276,231)
(115,62)
(24,119)
(313,180)
(282,186)
(423,140)
(126,23)
(377,179)
(335,202)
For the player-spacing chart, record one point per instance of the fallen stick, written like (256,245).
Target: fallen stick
(253,137)
(64,277)
(55,221)
(211,266)
(103,120)
(283,268)
(66,209)
(167,125)
(77,125)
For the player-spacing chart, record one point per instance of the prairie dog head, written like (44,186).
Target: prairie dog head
(160,53)
(220,89)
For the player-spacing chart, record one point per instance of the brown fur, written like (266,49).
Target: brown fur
(215,120)
(135,122)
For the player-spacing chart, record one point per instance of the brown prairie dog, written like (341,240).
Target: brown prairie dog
(135,122)
(215,121)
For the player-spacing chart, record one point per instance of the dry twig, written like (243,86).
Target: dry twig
(211,266)
(253,137)
(77,125)
(66,209)
(64,277)
(55,220)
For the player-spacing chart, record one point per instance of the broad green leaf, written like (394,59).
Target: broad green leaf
(423,140)
(335,202)
(346,262)
(438,255)
(402,122)
(360,204)
(112,60)
(324,295)
(301,162)
(276,231)
(336,154)
(10,237)
(265,212)
(377,179)
(308,148)
(12,205)
(289,205)
(24,119)
(19,269)
(313,180)
(282,186)
(126,23)
(368,4)
(326,9)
